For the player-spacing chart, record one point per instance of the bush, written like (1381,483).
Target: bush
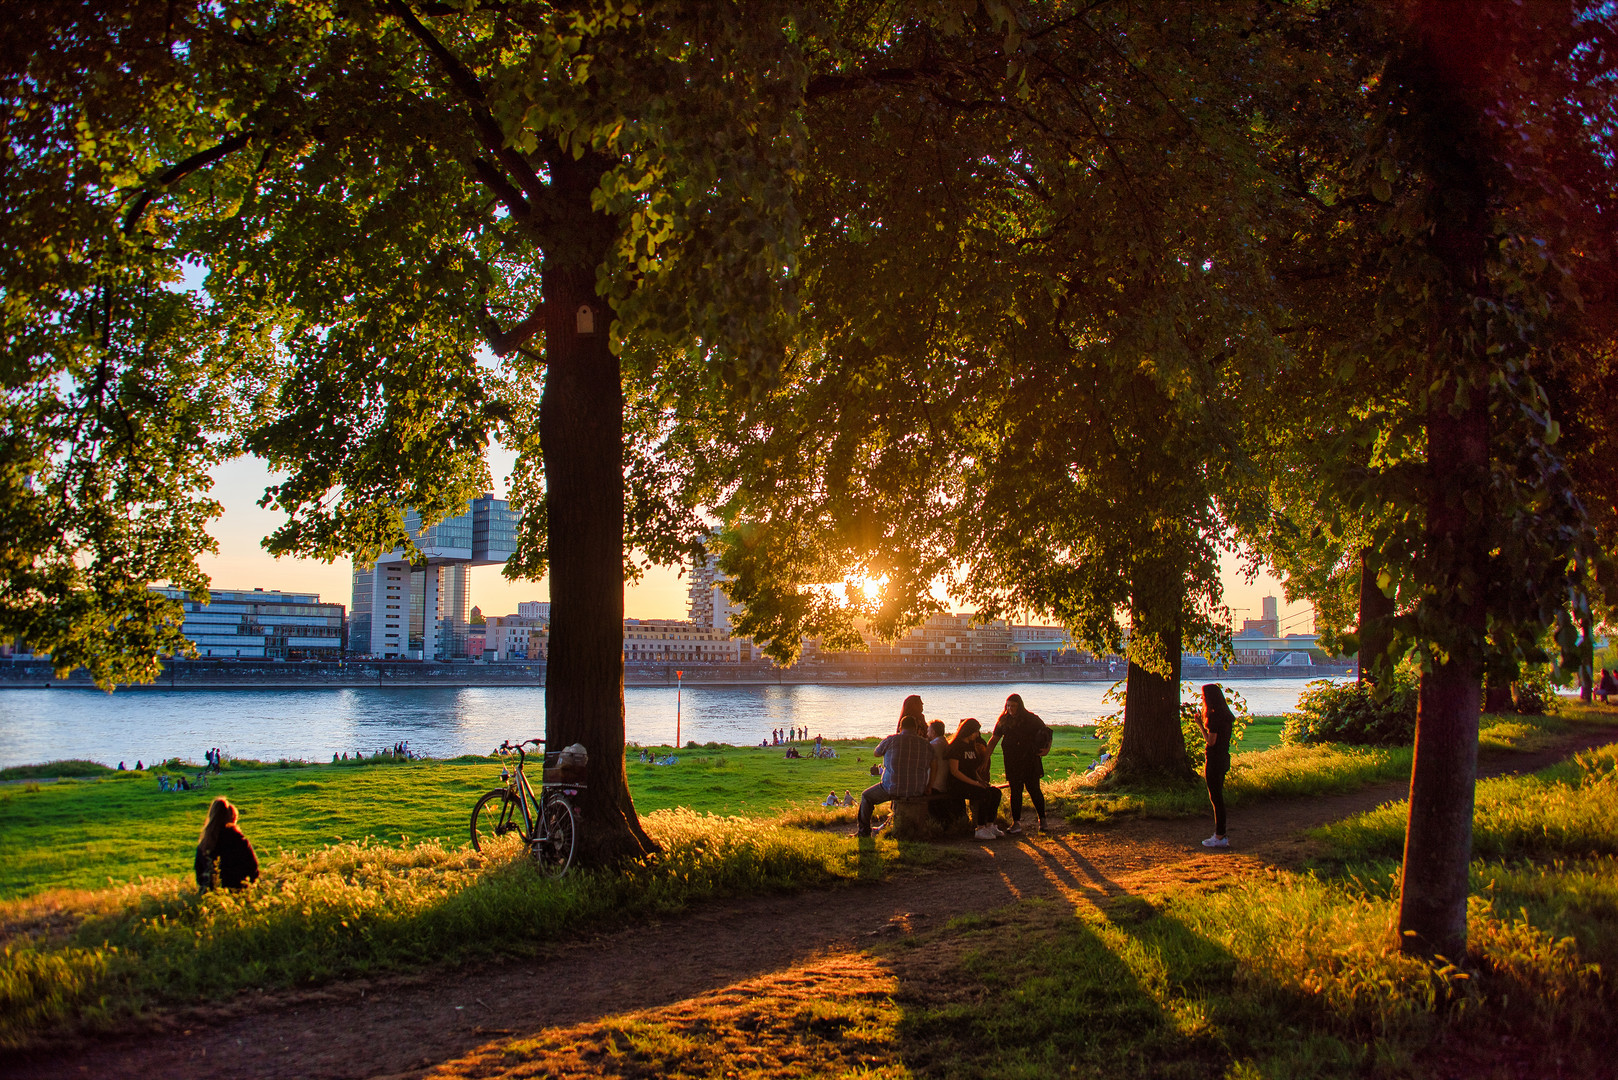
(1352,714)
(1534,693)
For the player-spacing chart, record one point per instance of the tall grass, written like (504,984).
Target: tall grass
(1280,771)
(357,907)
(1283,975)
(53,769)
(1568,811)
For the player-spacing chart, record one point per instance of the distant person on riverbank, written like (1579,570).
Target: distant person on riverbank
(1027,740)
(907,764)
(225,856)
(968,757)
(1218,725)
(139,765)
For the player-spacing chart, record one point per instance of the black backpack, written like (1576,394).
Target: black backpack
(1043,738)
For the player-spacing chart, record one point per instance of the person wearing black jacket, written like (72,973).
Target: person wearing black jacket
(224,855)
(1027,739)
(1218,725)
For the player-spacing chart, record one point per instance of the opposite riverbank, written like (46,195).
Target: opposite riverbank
(359,674)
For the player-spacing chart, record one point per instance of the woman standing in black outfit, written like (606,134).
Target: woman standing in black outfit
(1218,724)
(224,855)
(1026,739)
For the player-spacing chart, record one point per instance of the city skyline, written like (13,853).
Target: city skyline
(660,594)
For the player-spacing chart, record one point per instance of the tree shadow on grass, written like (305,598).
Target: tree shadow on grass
(1116,988)
(1032,991)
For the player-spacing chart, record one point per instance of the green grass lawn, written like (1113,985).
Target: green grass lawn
(86,832)
(1275,974)
(95,827)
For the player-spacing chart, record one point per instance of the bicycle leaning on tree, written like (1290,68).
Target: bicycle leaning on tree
(513,816)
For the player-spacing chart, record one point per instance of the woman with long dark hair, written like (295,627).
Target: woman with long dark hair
(1026,740)
(911,707)
(224,855)
(1218,724)
(968,758)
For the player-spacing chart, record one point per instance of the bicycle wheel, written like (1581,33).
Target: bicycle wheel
(553,850)
(497,826)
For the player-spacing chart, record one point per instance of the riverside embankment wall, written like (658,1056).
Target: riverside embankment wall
(261,675)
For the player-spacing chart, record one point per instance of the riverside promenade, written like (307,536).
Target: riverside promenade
(316,675)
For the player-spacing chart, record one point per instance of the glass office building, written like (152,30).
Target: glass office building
(262,624)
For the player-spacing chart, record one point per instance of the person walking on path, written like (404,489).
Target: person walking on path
(907,764)
(224,855)
(968,757)
(1027,740)
(1218,724)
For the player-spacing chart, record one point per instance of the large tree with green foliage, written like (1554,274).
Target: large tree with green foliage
(1467,195)
(1029,330)
(372,194)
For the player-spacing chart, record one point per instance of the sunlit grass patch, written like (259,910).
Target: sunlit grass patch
(1567,811)
(831,1018)
(91,958)
(1279,771)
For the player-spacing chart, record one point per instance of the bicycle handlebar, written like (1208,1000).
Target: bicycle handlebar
(508,747)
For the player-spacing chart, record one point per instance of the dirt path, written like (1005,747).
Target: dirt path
(402,1027)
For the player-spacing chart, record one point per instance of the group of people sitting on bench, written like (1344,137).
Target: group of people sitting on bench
(923,761)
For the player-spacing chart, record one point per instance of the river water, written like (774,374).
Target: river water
(153,725)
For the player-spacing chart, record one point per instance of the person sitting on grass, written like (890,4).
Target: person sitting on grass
(1607,687)
(907,764)
(968,757)
(848,796)
(225,856)
(831,799)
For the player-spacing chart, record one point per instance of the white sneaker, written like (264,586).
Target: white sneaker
(998,831)
(987,832)
(1216,841)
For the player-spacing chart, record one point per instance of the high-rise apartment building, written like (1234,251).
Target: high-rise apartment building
(419,610)
(707,604)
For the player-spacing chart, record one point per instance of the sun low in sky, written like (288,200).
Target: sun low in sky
(242,562)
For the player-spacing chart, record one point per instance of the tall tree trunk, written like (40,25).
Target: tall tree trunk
(1153,746)
(581,433)
(1438,833)
(1375,609)
(1497,695)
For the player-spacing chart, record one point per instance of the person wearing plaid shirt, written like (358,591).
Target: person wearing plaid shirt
(907,764)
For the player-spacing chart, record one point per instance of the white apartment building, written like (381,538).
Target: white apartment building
(515,637)
(667,641)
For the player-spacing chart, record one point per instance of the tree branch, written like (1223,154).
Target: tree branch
(506,342)
(175,173)
(464,80)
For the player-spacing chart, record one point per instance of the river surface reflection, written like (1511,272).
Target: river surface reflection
(152,725)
